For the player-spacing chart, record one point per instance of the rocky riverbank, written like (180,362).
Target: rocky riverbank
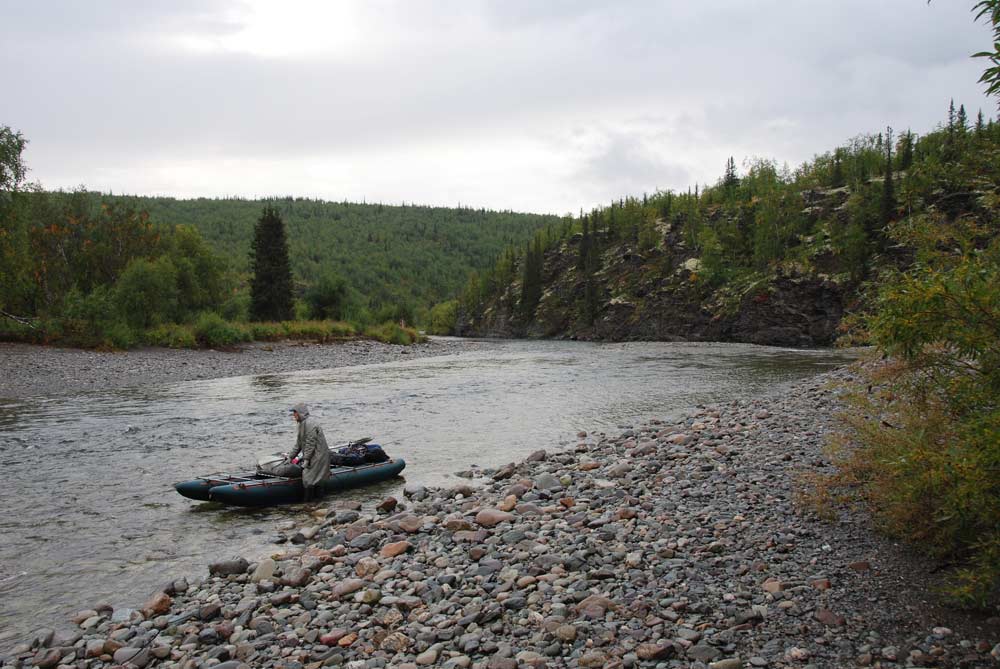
(30,371)
(669,545)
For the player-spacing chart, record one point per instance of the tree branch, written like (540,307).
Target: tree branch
(19,319)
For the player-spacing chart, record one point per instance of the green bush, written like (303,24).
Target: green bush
(91,320)
(146,294)
(328,297)
(391,333)
(928,439)
(211,330)
(443,318)
(322,331)
(236,308)
(171,335)
(266,331)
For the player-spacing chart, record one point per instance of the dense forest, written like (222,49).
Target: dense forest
(93,269)
(400,259)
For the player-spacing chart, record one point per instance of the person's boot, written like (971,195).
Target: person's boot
(309,493)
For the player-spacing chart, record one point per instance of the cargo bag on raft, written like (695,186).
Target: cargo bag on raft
(356,455)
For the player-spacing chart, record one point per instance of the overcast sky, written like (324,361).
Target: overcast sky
(531,105)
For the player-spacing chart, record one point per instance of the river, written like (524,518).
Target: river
(89,514)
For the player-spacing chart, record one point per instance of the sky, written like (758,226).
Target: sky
(547,106)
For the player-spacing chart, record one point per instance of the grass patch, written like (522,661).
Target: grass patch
(392,333)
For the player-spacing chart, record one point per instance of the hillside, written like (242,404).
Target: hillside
(772,256)
(409,254)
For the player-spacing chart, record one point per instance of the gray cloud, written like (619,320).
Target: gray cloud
(667,90)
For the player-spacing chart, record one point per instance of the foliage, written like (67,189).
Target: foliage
(991,75)
(406,254)
(171,335)
(211,331)
(928,436)
(147,294)
(12,168)
(271,295)
(443,318)
(391,332)
(327,298)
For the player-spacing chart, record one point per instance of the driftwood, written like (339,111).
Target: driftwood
(20,319)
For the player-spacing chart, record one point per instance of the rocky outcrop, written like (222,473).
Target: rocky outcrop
(661,295)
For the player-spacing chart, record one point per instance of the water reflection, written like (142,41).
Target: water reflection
(105,506)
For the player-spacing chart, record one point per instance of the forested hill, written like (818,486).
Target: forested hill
(410,256)
(767,255)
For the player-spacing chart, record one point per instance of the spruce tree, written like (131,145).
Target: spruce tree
(531,286)
(271,286)
(904,159)
(888,209)
(837,172)
(581,261)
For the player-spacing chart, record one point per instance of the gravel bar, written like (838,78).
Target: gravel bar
(27,370)
(673,544)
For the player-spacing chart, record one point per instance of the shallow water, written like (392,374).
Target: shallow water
(89,514)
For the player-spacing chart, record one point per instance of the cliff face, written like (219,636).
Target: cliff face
(661,295)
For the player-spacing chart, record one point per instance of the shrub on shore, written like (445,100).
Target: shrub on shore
(393,333)
(922,445)
(211,330)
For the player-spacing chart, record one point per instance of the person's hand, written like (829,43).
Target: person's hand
(305,464)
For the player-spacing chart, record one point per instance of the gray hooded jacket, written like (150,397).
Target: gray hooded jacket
(315,453)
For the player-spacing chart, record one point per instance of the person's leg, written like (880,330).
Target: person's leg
(309,493)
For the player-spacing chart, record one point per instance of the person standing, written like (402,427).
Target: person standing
(315,453)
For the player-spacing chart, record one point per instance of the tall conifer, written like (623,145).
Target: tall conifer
(271,286)
(888,209)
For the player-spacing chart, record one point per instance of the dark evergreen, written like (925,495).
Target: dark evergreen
(837,171)
(271,285)
(585,241)
(531,286)
(730,181)
(904,159)
(888,208)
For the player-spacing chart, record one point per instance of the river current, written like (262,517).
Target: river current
(88,514)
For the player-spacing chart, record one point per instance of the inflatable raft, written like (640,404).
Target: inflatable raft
(260,489)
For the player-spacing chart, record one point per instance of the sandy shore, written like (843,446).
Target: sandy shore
(675,544)
(31,371)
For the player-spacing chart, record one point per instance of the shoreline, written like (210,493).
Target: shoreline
(670,544)
(30,370)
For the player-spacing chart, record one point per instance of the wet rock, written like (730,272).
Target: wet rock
(47,658)
(387,505)
(228,567)
(264,570)
(157,605)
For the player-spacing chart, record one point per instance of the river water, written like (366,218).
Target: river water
(88,514)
